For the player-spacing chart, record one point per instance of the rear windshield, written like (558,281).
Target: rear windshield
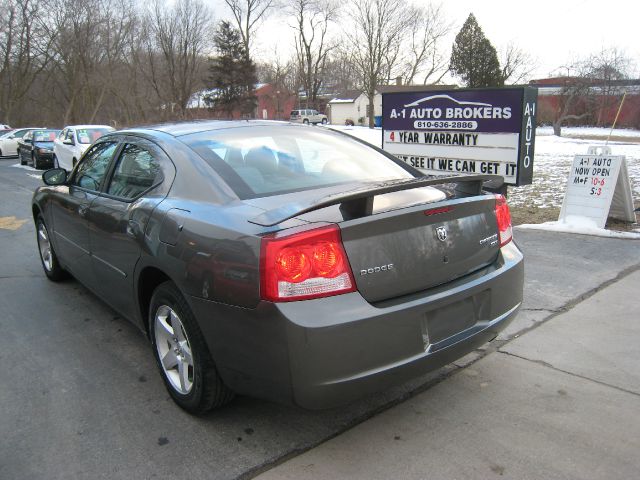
(295,112)
(259,161)
(45,135)
(90,135)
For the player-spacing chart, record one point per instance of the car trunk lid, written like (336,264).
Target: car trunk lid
(407,250)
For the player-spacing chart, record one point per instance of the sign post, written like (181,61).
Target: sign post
(463,131)
(598,187)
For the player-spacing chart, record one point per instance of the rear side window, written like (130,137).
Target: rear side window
(137,171)
(260,161)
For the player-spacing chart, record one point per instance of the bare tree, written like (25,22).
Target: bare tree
(422,56)
(247,15)
(339,72)
(606,68)
(375,38)
(177,39)
(311,21)
(23,52)
(516,64)
(591,87)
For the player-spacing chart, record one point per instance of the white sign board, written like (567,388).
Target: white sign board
(598,187)
(463,131)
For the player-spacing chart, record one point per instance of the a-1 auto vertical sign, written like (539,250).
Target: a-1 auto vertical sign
(463,131)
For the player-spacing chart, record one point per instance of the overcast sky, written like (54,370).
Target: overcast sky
(553,32)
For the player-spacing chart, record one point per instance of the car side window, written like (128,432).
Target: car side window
(137,170)
(20,133)
(62,135)
(69,135)
(94,165)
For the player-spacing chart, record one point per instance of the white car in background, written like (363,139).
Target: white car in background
(73,141)
(9,141)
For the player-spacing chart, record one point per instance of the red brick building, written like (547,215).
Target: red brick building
(273,104)
(596,104)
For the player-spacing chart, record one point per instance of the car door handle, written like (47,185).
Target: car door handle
(82,210)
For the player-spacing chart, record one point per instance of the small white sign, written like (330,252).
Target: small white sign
(598,187)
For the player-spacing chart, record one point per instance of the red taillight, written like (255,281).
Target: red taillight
(304,265)
(503,218)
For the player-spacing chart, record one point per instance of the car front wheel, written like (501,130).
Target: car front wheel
(22,162)
(182,355)
(52,268)
(324,121)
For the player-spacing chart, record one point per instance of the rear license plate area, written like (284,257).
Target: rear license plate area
(456,317)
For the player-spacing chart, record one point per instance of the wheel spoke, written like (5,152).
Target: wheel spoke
(164,328)
(177,327)
(170,360)
(186,352)
(183,374)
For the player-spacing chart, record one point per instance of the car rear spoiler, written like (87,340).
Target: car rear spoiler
(359,202)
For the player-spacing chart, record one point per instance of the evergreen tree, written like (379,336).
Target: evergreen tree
(232,74)
(474,59)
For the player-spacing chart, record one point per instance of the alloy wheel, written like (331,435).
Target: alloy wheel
(44,245)
(174,349)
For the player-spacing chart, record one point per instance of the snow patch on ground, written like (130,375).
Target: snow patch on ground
(369,135)
(579,225)
(589,131)
(25,167)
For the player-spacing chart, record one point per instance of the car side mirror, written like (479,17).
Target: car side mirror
(55,176)
(68,141)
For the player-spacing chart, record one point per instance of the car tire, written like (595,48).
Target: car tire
(305,121)
(324,121)
(22,162)
(50,264)
(34,161)
(188,371)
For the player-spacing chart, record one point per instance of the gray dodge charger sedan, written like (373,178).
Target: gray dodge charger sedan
(281,261)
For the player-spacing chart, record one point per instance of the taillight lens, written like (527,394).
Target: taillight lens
(304,265)
(503,218)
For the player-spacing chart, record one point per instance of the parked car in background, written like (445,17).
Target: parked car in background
(35,148)
(289,263)
(74,140)
(9,141)
(308,116)
(4,127)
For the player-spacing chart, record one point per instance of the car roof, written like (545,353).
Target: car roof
(186,128)
(88,126)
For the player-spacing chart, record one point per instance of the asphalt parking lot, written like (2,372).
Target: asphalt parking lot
(80,396)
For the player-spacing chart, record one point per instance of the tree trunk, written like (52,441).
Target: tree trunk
(557,129)
(371,110)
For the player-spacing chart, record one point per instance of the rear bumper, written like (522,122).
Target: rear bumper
(326,352)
